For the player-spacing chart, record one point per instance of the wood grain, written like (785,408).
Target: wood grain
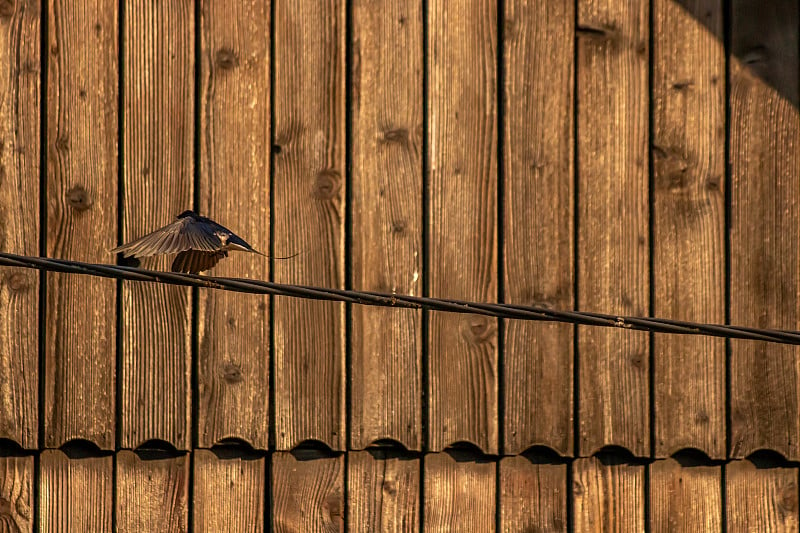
(307,492)
(462,228)
(383,492)
(765,225)
(685,498)
(538,145)
(75,494)
(533,496)
(761,499)
(233,329)
(607,497)
(16,494)
(689,223)
(158,89)
(309,207)
(228,493)
(386,110)
(20,30)
(613,247)
(81,351)
(459,493)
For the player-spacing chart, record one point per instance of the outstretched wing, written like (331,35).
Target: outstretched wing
(193,261)
(186,233)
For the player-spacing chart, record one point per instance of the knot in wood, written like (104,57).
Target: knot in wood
(226,59)
(7,8)
(18,282)
(479,329)
(232,373)
(327,184)
(788,501)
(78,198)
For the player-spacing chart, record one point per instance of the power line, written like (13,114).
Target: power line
(508,311)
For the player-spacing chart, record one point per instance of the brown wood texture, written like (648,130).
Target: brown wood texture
(233,328)
(685,498)
(386,111)
(462,230)
(538,145)
(533,496)
(81,350)
(75,494)
(459,494)
(16,494)
(761,499)
(689,223)
(613,247)
(158,89)
(228,493)
(383,492)
(309,203)
(307,492)
(765,224)
(20,29)
(607,497)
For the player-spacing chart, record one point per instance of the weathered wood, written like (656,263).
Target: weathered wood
(607,497)
(765,224)
(228,493)
(462,228)
(386,110)
(613,247)
(16,494)
(20,31)
(685,498)
(307,492)
(158,93)
(233,330)
(533,496)
(538,221)
(761,499)
(75,494)
(81,352)
(459,493)
(309,203)
(383,492)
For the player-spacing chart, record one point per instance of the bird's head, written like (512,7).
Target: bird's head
(187,213)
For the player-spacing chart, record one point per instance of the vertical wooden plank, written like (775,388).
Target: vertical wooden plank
(761,499)
(685,498)
(538,215)
(228,493)
(607,497)
(383,492)
(689,223)
(157,171)
(765,224)
(533,496)
(463,220)
(613,248)
(386,110)
(151,494)
(459,493)
(75,494)
(19,220)
(233,329)
(16,494)
(309,206)
(81,351)
(307,492)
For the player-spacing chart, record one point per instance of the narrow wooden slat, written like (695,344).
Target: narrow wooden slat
(158,93)
(689,223)
(761,499)
(613,247)
(383,492)
(462,228)
(20,30)
(82,81)
(233,330)
(228,493)
(307,493)
(533,496)
(685,498)
(607,497)
(459,494)
(386,110)
(765,224)
(309,207)
(16,494)
(75,494)
(538,221)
